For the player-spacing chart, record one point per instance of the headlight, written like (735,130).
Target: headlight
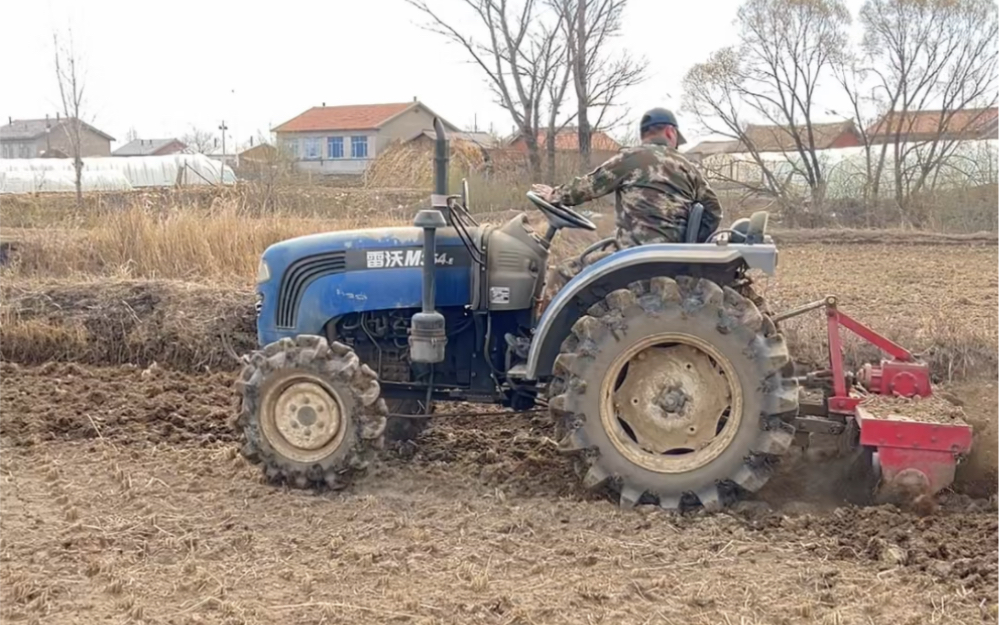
(263,272)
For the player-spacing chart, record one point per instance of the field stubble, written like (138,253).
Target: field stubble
(124,499)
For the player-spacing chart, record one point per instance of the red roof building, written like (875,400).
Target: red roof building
(962,125)
(344,139)
(567,140)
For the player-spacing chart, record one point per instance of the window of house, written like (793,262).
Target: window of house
(25,150)
(5,150)
(312,149)
(334,147)
(359,147)
(291,146)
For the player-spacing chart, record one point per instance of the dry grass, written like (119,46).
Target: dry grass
(411,165)
(248,199)
(221,246)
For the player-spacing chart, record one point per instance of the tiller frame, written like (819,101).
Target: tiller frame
(920,457)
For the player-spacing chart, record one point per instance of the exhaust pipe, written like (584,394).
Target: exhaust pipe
(427,335)
(440,161)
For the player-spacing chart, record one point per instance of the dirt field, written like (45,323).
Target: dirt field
(124,500)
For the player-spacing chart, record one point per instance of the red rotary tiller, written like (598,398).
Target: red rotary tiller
(912,456)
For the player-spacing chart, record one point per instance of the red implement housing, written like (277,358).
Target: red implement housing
(920,457)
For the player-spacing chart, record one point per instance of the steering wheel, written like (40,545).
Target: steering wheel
(561,216)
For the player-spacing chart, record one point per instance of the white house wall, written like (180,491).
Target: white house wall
(325,164)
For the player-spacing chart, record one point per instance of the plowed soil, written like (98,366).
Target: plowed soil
(124,502)
(933,409)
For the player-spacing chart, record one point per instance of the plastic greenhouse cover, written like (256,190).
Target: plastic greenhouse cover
(113,173)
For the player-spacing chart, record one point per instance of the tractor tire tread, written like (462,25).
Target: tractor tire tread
(737,319)
(340,367)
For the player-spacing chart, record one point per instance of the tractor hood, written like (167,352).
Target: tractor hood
(304,282)
(281,254)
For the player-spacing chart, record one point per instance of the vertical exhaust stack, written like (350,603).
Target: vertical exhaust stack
(427,336)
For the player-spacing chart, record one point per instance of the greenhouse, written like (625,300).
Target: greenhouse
(56,175)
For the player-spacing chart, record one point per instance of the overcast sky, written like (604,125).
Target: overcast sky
(165,66)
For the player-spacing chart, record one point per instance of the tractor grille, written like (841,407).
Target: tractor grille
(299,276)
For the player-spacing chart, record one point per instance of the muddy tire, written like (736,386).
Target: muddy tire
(670,392)
(399,430)
(310,412)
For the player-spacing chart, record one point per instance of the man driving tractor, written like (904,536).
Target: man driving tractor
(654,186)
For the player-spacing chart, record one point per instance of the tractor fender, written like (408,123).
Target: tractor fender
(717,262)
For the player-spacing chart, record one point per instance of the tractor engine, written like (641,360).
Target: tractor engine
(381,340)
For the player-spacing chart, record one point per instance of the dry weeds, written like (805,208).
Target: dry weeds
(411,165)
(221,246)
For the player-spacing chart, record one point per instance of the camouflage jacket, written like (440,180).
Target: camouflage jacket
(654,186)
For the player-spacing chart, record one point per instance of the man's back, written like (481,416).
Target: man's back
(654,186)
(655,195)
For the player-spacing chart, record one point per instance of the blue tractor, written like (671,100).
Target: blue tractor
(662,374)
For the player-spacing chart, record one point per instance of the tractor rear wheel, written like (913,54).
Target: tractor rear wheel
(671,392)
(310,411)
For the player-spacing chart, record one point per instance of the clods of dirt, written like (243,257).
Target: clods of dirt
(499,449)
(932,409)
(957,544)
(66,401)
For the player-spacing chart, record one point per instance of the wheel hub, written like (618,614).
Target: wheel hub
(306,415)
(672,407)
(672,401)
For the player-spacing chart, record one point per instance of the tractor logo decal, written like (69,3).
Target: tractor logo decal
(387,259)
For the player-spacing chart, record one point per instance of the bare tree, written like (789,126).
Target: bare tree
(712,93)
(559,71)
(515,46)
(786,48)
(599,78)
(865,109)
(199,141)
(69,74)
(132,134)
(935,56)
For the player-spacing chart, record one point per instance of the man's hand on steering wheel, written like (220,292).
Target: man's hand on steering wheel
(545,192)
(558,216)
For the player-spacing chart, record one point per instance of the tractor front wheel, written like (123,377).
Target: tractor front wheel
(310,412)
(671,392)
